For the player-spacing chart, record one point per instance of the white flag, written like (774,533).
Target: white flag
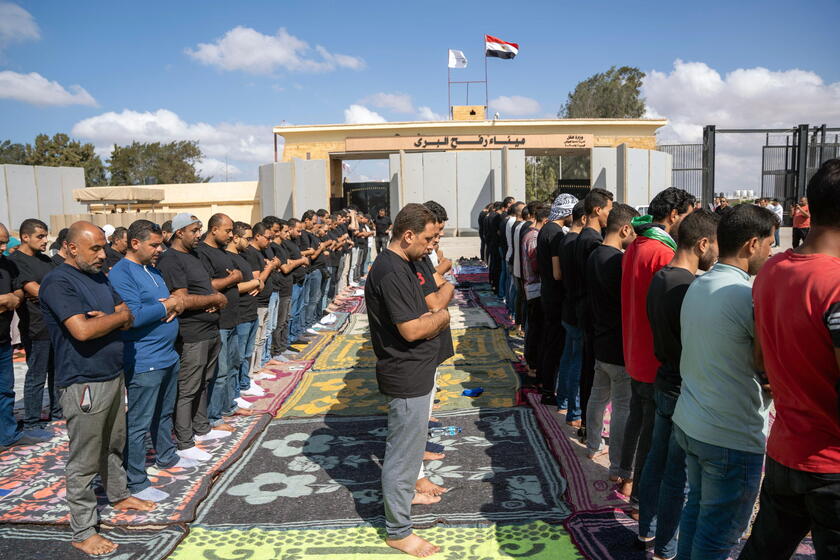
(457,59)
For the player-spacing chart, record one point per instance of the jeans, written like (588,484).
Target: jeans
(151,403)
(511,291)
(9,432)
(270,325)
(382,242)
(776,236)
(312,296)
(326,281)
(296,312)
(503,275)
(722,488)
(662,486)
(634,448)
(799,235)
(40,371)
(355,255)
(260,339)
(220,390)
(792,503)
(568,373)
(612,383)
(246,336)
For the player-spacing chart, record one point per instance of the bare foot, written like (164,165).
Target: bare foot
(562,411)
(574,423)
(414,545)
(96,545)
(634,513)
(429,456)
(135,503)
(614,478)
(424,499)
(225,428)
(241,412)
(426,486)
(596,454)
(626,487)
(436,407)
(433,419)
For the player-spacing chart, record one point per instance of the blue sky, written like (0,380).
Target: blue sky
(712,62)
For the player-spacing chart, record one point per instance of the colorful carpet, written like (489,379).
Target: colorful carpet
(32,481)
(480,277)
(536,541)
(314,347)
(37,542)
(278,390)
(472,347)
(589,485)
(355,392)
(341,318)
(325,473)
(611,535)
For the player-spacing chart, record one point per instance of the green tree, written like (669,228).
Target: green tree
(12,153)
(614,94)
(60,151)
(541,174)
(155,163)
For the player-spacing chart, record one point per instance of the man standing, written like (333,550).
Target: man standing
(224,277)
(801,215)
(246,329)
(115,251)
(311,247)
(610,382)
(662,485)
(797,318)
(407,347)
(151,362)
(198,342)
(265,267)
(720,419)
(32,266)
(298,301)
(84,315)
(530,271)
(382,223)
(653,248)
(776,207)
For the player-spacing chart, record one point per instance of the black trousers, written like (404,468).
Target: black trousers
(381,243)
(638,431)
(799,235)
(587,367)
(534,333)
(791,504)
(483,249)
(494,266)
(553,340)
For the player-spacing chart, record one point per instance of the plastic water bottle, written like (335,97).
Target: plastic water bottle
(445,431)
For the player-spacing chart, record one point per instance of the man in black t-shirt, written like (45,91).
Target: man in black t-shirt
(198,341)
(246,329)
(382,223)
(84,316)
(298,301)
(258,258)
(661,487)
(549,241)
(33,265)
(115,251)
(611,381)
(224,277)
(406,341)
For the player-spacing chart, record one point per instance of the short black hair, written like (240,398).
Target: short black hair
(508,200)
(697,225)
(59,241)
(540,211)
(526,212)
(141,230)
(166,226)
(438,210)
(579,211)
(412,217)
(620,216)
(824,194)
(269,221)
(321,213)
(596,198)
(308,215)
(29,225)
(497,205)
(741,224)
(670,199)
(119,232)
(293,222)
(259,228)
(239,228)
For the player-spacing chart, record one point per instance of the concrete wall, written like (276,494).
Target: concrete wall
(38,192)
(641,174)
(287,189)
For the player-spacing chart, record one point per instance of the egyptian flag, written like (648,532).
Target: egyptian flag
(498,48)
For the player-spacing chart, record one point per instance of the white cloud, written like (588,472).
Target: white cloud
(397,102)
(246,49)
(515,105)
(245,146)
(426,114)
(35,89)
(16,25)
(693,95)
(359,114)
(218,169)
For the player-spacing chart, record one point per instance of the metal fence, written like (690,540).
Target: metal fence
(780,165)
(687,167)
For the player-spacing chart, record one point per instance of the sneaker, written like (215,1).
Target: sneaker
(262,375)
(329,319)
(151,494)
(213,434)
(242,403)
(194,453)
(38,434)
(312,331)
(280,358)
(184,463)
(254,391)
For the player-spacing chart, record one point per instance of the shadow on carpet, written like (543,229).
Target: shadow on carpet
(32,481)
(37,542)
(325,472)
(355,392)
(277,390)
(536,541)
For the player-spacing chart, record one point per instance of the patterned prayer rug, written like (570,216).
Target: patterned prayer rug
(32,480)
(325,472)
(472,347)
(341,318)
(590,487)
(535,541)
(37,542)
(278,390)
(314,347)
(355,392)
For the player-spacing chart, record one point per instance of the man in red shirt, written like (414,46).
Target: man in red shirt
(653,248)
(801,221)
(797,319)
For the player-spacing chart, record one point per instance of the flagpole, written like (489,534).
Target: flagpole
(449,91)
(486,94)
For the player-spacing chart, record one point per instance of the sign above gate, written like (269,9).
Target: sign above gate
(469,142)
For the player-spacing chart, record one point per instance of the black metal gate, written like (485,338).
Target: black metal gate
(369,197)
(687,166)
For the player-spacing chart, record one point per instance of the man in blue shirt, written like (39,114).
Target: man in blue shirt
(151,362)
(84,316)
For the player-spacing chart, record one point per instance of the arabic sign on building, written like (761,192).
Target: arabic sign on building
(469,142)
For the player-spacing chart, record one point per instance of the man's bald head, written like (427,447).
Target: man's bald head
(86,247)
